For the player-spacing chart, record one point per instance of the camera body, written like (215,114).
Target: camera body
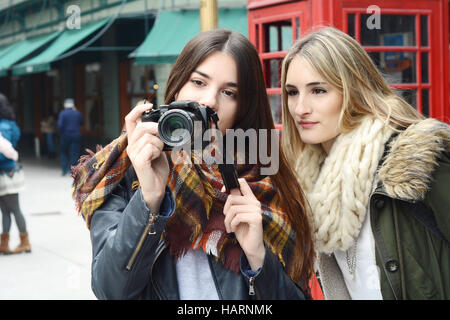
(182,115)
(177,122)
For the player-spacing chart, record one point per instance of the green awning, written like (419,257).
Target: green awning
(4,49)
(21,49)
(173,29)
(63,43)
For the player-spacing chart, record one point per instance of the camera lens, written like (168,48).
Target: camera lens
(174,123)
(175,128)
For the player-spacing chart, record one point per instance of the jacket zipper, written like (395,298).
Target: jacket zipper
(149,229)
(151,272)
(251,286)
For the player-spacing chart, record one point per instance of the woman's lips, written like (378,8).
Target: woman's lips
(307,124)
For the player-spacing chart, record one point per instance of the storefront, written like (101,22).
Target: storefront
(89,64)
(407,40)
(121,54)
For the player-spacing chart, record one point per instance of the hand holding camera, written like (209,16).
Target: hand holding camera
(145,152)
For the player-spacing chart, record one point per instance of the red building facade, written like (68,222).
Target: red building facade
(407,40)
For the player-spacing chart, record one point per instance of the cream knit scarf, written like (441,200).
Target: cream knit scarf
(338,186)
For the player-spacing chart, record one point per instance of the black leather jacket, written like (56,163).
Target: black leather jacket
(130,263)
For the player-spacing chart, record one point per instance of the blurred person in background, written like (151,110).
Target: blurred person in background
(11,180)
(70,121)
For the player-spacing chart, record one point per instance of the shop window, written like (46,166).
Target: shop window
(142,84)
(16,98)
(93,115)
(54,102)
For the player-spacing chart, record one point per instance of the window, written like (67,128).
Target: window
(273,28)
(93,115)
(16,98)
(396,30)
(54,100)
(273,42)
(401,51)
(141,84)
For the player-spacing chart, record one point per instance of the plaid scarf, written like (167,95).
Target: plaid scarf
(198,220)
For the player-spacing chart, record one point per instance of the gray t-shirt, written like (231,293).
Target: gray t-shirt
(195,281)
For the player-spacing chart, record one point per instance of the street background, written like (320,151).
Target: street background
(59,266)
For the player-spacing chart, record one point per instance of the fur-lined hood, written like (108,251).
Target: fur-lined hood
(408,168)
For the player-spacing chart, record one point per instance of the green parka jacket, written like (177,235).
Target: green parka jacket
(413,262)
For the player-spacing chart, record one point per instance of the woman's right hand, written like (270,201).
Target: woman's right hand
(145,152)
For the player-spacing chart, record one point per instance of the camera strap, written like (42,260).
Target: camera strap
(227,170)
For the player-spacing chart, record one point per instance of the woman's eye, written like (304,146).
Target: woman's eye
(229,93)
(292,92)
(318,91)
(197,82)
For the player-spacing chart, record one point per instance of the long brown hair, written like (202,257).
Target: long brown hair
(253,112)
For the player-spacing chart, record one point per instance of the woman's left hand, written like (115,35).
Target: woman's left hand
(243,216)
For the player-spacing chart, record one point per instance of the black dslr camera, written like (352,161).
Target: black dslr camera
(180,115)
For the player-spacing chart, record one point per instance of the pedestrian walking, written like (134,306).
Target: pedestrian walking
(11,182)
(376,174)
(70,121)
(168,230)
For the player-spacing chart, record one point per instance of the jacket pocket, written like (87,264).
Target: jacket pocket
(419,284)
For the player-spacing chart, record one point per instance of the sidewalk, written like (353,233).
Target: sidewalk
(60,262)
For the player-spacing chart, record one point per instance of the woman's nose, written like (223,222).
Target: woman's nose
(210,100)
(302,108)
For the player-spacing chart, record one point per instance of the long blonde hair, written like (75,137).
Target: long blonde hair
(345,65)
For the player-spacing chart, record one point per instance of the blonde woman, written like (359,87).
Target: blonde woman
(376,174)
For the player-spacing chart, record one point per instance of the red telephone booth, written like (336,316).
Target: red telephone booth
(407,40)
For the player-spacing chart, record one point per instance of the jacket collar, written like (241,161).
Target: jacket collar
(407,170)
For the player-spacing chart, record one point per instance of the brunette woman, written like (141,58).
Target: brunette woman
(203,242)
